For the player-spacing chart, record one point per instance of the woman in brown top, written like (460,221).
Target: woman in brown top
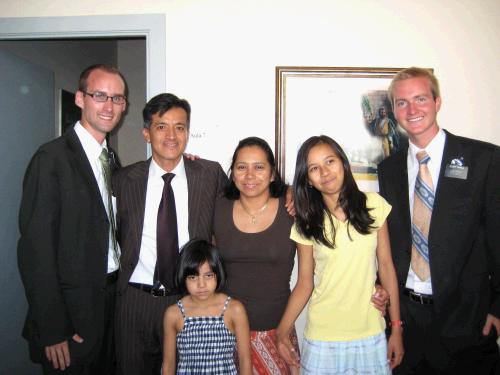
(252,229)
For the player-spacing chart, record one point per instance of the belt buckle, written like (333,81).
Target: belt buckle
(421,299)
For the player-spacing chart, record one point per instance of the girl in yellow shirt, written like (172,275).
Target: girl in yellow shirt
(341,235)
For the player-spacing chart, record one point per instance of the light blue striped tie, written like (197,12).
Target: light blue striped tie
(423,202)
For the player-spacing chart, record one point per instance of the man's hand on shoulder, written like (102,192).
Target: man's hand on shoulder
(289,201)
(191,156)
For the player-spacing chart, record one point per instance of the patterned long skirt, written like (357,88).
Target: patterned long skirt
(266,359)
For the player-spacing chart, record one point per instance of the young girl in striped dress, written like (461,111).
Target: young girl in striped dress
(342,241)
(204,328)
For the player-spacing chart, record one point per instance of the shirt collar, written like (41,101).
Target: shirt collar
(91,147)
(155,171)
(434,149)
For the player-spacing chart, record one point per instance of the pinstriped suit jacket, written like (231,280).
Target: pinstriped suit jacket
(206,181)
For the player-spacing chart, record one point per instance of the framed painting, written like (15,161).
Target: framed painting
(348,104)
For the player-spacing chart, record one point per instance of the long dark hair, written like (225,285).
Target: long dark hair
(193,254)
(277,188)
(309,204)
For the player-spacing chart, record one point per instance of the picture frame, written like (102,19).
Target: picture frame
(345,103)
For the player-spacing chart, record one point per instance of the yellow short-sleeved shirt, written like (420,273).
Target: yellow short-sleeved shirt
(344,277)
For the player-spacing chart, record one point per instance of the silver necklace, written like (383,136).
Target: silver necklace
(253,216)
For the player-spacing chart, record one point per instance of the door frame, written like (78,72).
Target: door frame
(150,26)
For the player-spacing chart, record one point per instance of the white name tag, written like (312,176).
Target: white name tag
(456,171)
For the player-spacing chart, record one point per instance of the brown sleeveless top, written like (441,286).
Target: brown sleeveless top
(258,265)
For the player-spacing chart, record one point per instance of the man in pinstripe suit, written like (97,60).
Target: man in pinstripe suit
(138,189)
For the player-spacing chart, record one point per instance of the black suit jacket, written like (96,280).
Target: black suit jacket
(63,248)
(206,181)
(463,239)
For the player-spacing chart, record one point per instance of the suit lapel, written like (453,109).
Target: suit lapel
(443,203)
(446,185)
(82,163)
(137,186)
(194,181)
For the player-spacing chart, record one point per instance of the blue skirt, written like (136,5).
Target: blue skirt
(363,356)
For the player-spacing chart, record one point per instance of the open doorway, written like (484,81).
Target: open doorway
(144,31)
(148,27)
(67,58)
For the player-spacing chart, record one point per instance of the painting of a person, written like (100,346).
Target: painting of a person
(385,127)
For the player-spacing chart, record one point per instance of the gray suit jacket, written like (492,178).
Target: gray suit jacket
(464,242)
(206,181)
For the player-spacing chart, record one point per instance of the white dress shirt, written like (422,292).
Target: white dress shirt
(93,150)
(144,271)
(435,151)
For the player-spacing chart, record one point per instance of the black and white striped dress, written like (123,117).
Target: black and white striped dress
(205,345)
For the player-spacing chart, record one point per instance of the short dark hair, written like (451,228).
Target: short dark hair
(160,104)
(193,254)
(277,188)
(84,76)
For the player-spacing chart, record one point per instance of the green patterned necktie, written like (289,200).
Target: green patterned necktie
(106,171)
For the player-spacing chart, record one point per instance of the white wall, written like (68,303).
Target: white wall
(221,54)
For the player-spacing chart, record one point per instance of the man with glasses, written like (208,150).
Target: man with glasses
(68,254)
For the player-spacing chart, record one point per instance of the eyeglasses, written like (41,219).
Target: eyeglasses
(102,97)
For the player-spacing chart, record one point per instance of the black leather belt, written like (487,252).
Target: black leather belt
(155,292)
(423,299)
(112,277)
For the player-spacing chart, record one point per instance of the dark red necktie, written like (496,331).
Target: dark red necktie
(167,243)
